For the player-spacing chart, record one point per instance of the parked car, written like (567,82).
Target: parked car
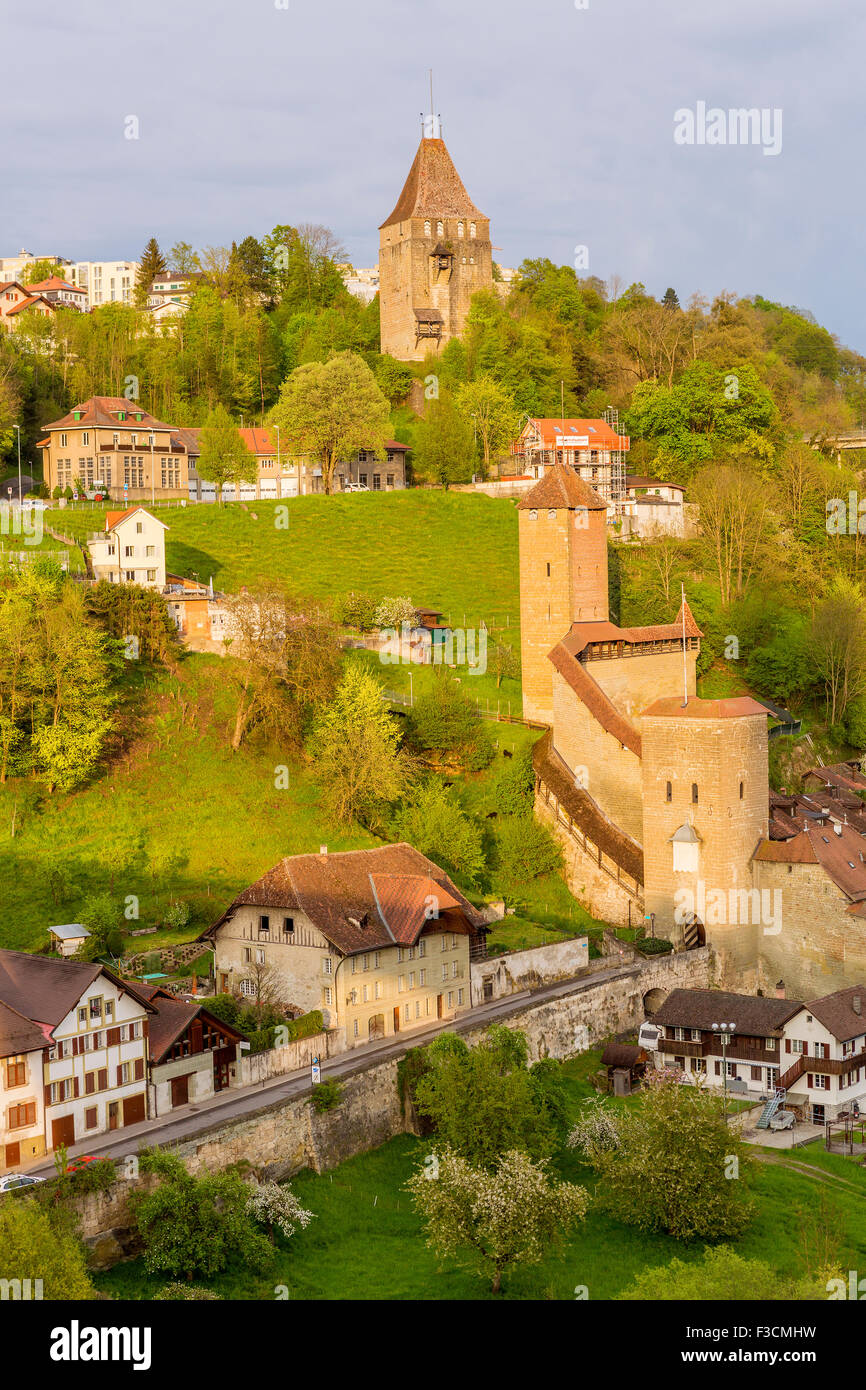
(81,1162)
(15,1181)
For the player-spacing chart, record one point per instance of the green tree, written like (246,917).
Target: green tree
(356,746)
(490,1222)
(35,1245)
(224,456)
(484,1101)
(151,265)
(432,819)
(182,258)
(837,646)
(670,299)
(721,1274)
(200,1226)
(38,271)
(526,849)
(677,1168)
(445,722)
(444,444)
(331,409)
(489,408)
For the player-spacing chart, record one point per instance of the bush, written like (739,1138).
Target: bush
(176,915)
(58,492)
(224,1007)
(445,721)
(93,1177)
(514,793)
(200,1226)
(526,849)
(435,823)
(326,1096)
(654,946)
(188,1293)
(391,612)
(358,611)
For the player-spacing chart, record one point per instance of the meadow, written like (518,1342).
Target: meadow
(367,1243)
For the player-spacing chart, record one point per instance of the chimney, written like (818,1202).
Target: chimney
(323,851)
(780,989)
(837,827)
(856,1005)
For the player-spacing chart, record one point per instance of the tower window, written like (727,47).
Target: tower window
(669,792)
(741,791)
(695,793)
(426,228)
(440,229)
(472,229)
(459,228)
(551,515)
(533,516)
(548,575)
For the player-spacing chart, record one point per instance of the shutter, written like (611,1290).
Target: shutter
(75,1088)
(787,1044)
(113,1037)
(47,1095)
(31,1113)
(809,1080)
(119,1076)
(139,1068)
(102,1078)
(89,1083)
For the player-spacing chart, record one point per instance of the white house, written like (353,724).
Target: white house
(94,1072)
(824,1055)
(131,549)
(23,1046)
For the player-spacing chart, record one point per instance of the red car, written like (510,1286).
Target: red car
(81,1162)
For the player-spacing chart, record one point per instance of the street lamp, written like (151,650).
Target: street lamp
(18,428)
(725,1031)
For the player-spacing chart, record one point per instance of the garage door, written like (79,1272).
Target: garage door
(133,1110)
(179,1090)
(63,1131)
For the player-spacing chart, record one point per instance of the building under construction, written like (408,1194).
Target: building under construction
(595,449)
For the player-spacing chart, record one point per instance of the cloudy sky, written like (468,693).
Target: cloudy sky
(559,114)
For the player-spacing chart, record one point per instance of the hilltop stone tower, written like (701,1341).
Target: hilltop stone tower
(705,812)
(434,254)
(563,575)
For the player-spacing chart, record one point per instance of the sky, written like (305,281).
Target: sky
(560,116)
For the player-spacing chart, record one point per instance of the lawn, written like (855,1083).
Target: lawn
(366,1242)
(453,551)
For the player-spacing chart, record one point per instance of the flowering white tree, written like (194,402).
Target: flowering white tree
(275,1206)
(596,1130)
(489,1221)
(391,612)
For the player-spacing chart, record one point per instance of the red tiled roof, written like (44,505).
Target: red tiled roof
(18,1034)
(28,304)
(44,990)
(598,432)
(172,1018)
(433,188)
(593,697)
(113,519)
(55,283)
(338,893)
(837,1012)
(795,850)
(102,410)
(671,707)
(582,635)
(754,1015)
(560,488)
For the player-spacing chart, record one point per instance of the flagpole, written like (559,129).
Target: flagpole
(685,663)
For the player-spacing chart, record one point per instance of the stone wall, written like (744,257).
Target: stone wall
(606,899)
(281,1139)
(292,1056)
(519,970)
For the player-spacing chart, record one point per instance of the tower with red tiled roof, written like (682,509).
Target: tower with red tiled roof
(563,575)
(434,254)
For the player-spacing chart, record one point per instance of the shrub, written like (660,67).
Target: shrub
(277,1207)
(224,1007)
(176,915)
(515,785)
(654,946)
(358,611)
(526,849)
(326,1096)
(188,1293)
(391,612)
(445,721)
(199,1226)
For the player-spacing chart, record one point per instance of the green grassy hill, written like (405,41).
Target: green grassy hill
(448,550)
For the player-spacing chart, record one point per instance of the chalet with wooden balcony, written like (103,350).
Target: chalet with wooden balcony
(824,1056)
(193,1054)
(751,1062)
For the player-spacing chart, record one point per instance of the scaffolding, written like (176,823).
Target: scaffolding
(617,461)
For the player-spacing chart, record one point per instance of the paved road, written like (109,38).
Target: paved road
(228,1105)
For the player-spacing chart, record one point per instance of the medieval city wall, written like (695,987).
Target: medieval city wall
(608,771)
(285,1137)
(634,682)
(821,947)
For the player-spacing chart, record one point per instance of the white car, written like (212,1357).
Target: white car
(15,1181)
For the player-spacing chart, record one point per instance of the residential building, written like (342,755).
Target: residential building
(113,444)
(595,449)
(13,267)
(192,1054)
(58,291)
(198,612)
(812,1055)
(173,288)
(68,939)
(280,472)
(16,298)
(94,1063)
(130,550)
(753,1057)
(434,254)
(23,1050)
(380,940)
(651,508)
(103,282)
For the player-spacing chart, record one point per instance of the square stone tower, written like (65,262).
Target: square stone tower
(434,254)
(705,811)
(563,575)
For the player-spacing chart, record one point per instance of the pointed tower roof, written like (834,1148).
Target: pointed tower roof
(434,188)
(561,487)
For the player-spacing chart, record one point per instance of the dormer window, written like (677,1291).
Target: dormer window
(121,414)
